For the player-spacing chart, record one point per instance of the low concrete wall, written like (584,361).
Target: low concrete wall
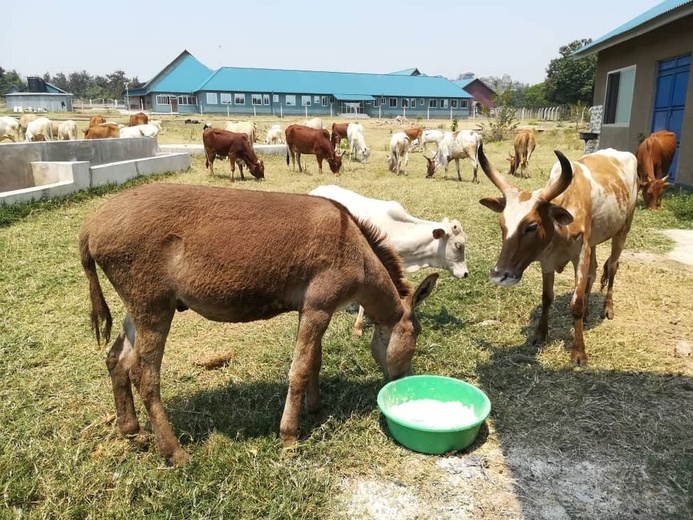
(198,149)
(16,158)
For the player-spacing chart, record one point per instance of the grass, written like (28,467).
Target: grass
(607,441)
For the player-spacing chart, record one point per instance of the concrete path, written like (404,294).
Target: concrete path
(683,251)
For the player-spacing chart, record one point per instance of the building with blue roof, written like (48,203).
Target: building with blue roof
(643,82)
(188,86)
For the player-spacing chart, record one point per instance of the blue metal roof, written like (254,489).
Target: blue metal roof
(353,97)
(184,77)
(646,17)
(235,79)
(463,82)
(408,72)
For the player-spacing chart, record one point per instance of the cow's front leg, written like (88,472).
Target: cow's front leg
(232,165)
(457,165)
(577,305)
(546,300)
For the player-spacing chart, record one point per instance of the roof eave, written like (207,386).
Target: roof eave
(660,21)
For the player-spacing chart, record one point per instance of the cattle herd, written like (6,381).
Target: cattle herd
(215,258)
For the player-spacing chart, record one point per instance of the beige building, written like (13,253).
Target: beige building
(643,70)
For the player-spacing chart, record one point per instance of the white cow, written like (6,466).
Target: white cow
(458,145)
(357,143)
(9,128)
(399,152)
(67,131)
(40,129)
(243,127)
(315,123)
(420,243)
(431,136)
(275,135)
(131,131)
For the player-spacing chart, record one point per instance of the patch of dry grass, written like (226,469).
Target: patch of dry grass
(607,441)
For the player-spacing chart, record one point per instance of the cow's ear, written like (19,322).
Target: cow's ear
(560,214)
(438,233)
(494,204)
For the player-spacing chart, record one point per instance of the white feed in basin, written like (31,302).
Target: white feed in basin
(430,413)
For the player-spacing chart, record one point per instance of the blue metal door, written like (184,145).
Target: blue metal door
(670,100)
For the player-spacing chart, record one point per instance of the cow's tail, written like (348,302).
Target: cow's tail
(287,155)
(101,320)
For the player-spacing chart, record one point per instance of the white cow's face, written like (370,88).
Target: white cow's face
(452,247)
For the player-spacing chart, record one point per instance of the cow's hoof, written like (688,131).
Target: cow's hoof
(579,359)
(180,457)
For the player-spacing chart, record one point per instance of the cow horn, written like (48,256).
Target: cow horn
(558,186)
(492,174)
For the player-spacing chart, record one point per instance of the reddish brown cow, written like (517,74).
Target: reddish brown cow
(96,120)
(178,247)
(655,155)
(414,133)
(339,132)
(140,118)
(302,139)
(221,143)
(524,145)
(102,131)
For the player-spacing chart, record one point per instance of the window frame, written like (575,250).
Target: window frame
(187,100)
(433,103)
(238,96)
(210,96)
(290,100)
(266,99)
(611,98)
(393,102)
(306,100)
(256,100)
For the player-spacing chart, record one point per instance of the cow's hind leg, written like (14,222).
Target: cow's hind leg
(610,268)
(358,324)
(547,296)
(146,374)
(119,362)
(303,377)
(590,280)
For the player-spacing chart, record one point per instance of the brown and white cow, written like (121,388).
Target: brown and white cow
(236,147)
(524,144)
(302,139)
(655,155)
(102,131)
(205,249)
(399,152)
(415,133)
(586,202)
(140,118)
(455,146)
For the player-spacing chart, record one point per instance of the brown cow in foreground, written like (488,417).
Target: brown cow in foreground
(102,131)
(586,202)
(655,155)
(302,139)
(140,118)
(524,145)
(178,247)
(220,143)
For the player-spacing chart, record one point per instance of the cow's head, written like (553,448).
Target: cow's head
(257,170)
(528,219)
(435,162)
(365,154)
(335,162)
(513,164)
(652,191)
(451,247)
(393,347)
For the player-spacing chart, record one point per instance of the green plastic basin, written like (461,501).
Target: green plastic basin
(426,439)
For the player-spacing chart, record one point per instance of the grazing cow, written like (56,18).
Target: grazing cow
(586,202)
(236,147)
(456,145)
(302,139)
(243,127)
(102,131)
(9,128)
(24,121)
(67,131)
(339,132)
(180,247)
(96,120)
(399,152)
(414,134)
(40,129)
(275,135)
(655,155)
(315,123)
(140,118)
(357,143)
(420,243)
(524,145)
(431,136)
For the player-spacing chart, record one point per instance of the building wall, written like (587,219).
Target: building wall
(48,102)
(480,93)
(645,52)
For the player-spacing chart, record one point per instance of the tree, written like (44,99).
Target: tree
(9,79)
(465,75)
(535,96)
(570,80)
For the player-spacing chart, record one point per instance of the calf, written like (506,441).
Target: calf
(218,142)
(275,135)
(524,145)
(399,152)
(655,155)
(357,143)
(419,243)
(302,139)
(586,202)
(456,145)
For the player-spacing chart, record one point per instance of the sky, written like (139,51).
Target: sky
(486,37)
